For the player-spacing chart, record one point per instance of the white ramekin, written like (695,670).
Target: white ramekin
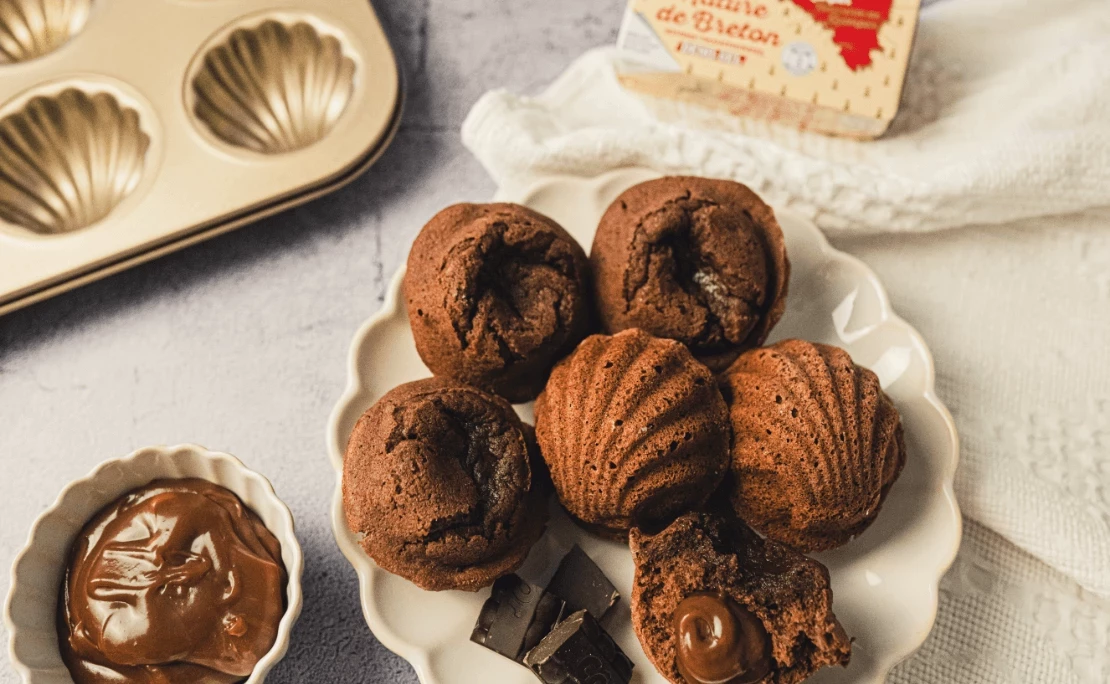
(37,571)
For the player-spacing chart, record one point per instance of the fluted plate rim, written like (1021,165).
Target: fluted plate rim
(431,630)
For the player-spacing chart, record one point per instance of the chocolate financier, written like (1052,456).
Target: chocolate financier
(817,443)
(698,260)
(713,602)
(633,430)
(496,294)
(437,481)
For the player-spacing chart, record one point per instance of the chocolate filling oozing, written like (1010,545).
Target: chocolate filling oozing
(706,553)
(709,286)
(720,641)
(696,260)
(496,295)
(438,482)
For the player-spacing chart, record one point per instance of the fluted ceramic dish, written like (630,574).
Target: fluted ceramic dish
(37,572)
(884,582)
(131,128)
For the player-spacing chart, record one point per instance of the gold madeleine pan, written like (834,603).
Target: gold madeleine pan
(132,128)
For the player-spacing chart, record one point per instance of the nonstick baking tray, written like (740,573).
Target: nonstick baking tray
(133,128)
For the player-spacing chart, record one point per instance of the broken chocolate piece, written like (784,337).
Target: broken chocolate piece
(579,651)
(583,585)
(515,617)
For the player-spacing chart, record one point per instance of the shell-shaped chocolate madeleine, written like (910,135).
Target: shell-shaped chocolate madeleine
(817,443)
(633,430)
(496,294)
(698,260)
(67,160)
(274,88)
(32,28)
(714,602)
(437,481)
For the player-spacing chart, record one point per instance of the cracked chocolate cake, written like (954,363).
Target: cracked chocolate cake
(633,430)
(698,260)
(817,443)
(437,482)
(496,294)
(713,603)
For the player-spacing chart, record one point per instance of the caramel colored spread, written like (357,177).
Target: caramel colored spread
(720,641)
(174,582)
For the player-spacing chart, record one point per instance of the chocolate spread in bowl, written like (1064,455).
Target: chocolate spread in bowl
(176,581)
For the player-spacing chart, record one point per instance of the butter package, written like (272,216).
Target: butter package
(831,66)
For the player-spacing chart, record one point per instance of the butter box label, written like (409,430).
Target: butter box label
(836,66)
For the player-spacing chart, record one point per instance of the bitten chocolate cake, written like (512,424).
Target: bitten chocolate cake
(496,294)
(712,602)
(817,443)
(437,480)
(633,431)
(697,260)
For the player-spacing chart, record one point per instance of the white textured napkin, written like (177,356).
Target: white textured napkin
(1006,116)
(1004,134)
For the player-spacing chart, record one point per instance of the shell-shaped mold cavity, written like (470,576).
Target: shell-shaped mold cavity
(273,88)
(633,430)
(32,28)
(816,443)
(67,160)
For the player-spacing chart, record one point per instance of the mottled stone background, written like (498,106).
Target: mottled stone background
(240,344)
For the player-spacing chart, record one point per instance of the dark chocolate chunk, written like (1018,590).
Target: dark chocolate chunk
(515,617)
(583,585)
(578,651)
(550,612)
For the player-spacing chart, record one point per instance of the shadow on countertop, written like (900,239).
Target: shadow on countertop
(451,51)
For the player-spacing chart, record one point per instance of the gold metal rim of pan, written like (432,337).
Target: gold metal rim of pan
(67,160)
(33,28)
(274,88)
(84,277)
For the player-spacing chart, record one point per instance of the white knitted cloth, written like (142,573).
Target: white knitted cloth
(1005,117)
(1005,128)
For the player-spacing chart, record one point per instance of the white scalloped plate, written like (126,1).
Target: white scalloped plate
(884,582)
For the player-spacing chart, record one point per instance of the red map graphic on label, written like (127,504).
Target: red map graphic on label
(855,25)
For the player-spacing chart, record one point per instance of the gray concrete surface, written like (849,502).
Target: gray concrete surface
(240,344)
